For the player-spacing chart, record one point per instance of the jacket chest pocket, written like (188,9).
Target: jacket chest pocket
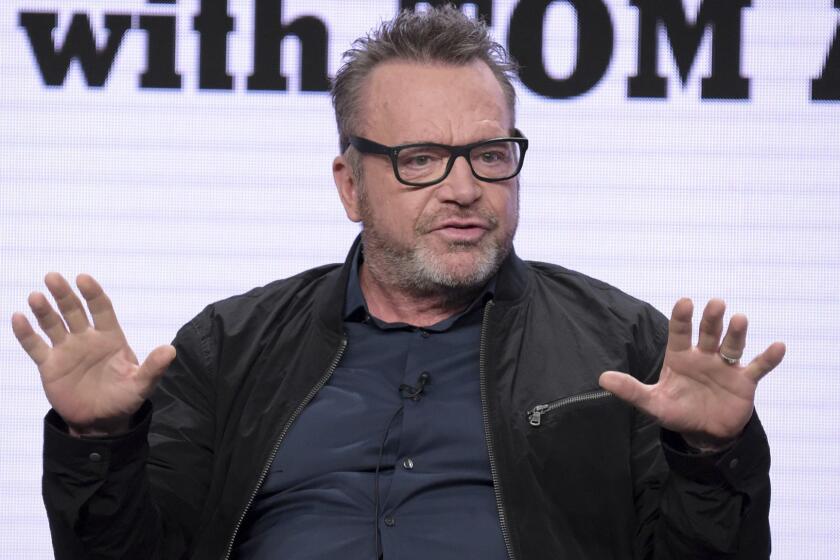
(577,448)
(584,436)
(539,412)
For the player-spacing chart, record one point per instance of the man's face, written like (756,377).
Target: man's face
(453,234)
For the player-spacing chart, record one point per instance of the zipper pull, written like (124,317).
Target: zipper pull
(535,413)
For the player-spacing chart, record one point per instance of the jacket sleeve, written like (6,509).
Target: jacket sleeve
(700,506)
(139,495)
(718,505)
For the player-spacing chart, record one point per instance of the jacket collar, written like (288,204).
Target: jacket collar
(511,287)
(512,280)
(330,307)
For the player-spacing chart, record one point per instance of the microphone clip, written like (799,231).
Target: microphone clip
(414,392)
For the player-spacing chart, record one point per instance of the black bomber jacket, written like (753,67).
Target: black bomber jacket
(578,474)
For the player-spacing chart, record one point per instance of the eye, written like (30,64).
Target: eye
(420,158)
(492,155)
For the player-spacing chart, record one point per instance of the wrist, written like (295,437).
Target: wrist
(106,428)
(703,444)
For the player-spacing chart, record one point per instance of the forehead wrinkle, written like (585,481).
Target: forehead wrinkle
(470,131)
(404,110)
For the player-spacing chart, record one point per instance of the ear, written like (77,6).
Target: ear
(348,189)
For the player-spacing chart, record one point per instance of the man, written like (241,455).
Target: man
(434,397)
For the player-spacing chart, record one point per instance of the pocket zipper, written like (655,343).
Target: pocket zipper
(535,414)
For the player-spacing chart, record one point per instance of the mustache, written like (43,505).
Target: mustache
(484,218)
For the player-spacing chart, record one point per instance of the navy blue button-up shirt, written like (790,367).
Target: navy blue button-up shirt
(366,471)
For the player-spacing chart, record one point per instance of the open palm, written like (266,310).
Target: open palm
(700,394)
(90,375)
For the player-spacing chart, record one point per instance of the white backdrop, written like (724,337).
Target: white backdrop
(175,198)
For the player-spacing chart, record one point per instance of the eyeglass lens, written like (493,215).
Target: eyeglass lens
(493,160)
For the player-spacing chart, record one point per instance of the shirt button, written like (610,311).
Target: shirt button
(733,464)
(408,463)
(425,334)
(95,457)
(389,521)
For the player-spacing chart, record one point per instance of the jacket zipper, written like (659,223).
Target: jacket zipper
(292,418)
(535,414)
(494,473)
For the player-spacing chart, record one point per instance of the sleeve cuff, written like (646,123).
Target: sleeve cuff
(747,457)
(94,455)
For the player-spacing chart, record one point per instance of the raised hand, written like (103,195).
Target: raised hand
(703,392)
(90,375)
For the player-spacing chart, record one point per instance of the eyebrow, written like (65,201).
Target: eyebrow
(505,134)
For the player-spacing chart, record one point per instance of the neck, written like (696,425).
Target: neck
(394,304)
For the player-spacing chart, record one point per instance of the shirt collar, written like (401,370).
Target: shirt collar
(356,310)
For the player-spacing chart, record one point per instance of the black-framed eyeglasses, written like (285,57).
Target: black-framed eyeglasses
(425,164)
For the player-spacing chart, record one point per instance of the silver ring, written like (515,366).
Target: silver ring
(729,360)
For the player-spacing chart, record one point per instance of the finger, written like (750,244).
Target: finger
(153,367)
(765,362)
(735,338)
(49,321)
(627,388)
(101,309)
(68,302)
(31,342)
(679,327)
(711,326)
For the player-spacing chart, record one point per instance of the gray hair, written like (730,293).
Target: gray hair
(443,35)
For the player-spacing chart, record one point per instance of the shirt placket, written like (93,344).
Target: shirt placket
(405,460)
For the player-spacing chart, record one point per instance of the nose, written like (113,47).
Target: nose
(460,186)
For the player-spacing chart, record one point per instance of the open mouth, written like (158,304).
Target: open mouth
(455,231)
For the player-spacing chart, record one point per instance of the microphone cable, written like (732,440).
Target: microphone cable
(406,392)
(377,543)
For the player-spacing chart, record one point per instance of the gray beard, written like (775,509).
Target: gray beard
(418,271)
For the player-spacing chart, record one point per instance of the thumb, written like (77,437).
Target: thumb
(627,388)
(154,365)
